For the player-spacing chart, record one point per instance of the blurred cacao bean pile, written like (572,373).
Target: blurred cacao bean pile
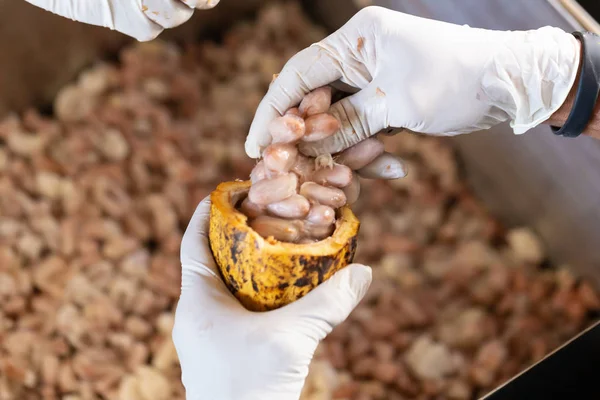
(458,304)
(94,200)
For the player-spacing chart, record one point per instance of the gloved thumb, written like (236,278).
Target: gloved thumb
(361,116)
(330,303)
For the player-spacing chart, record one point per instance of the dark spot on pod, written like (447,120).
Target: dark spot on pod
(239,236)
(301,282)
(304,262)
(282,286)
(254,285)
(233,286)
(351,251)
(325,266)
(238,239)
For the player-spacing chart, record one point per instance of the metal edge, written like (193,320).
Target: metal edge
(576,15)
(592,326)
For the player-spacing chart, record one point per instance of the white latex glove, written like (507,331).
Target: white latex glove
(229,353)
(141,19)
(428,76)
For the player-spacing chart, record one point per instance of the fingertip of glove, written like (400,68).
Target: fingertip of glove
(387,166)
(168,14)
(361,272)
(148,35)
(205,202)
(202,4)
(359,279)
(252,149)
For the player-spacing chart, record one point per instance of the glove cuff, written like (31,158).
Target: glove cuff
(588,87)
(531,75)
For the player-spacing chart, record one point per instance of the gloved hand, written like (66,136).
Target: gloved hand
(424,75)
(229,353)
(141,19)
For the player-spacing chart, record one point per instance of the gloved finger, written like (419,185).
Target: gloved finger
(361,116)
(311,68)
(352,191)
(329,304)
(125,16)
(387,166)
(201,4)
(167,13)
(195,249)
(204,307)
(202,288)
(205,299)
